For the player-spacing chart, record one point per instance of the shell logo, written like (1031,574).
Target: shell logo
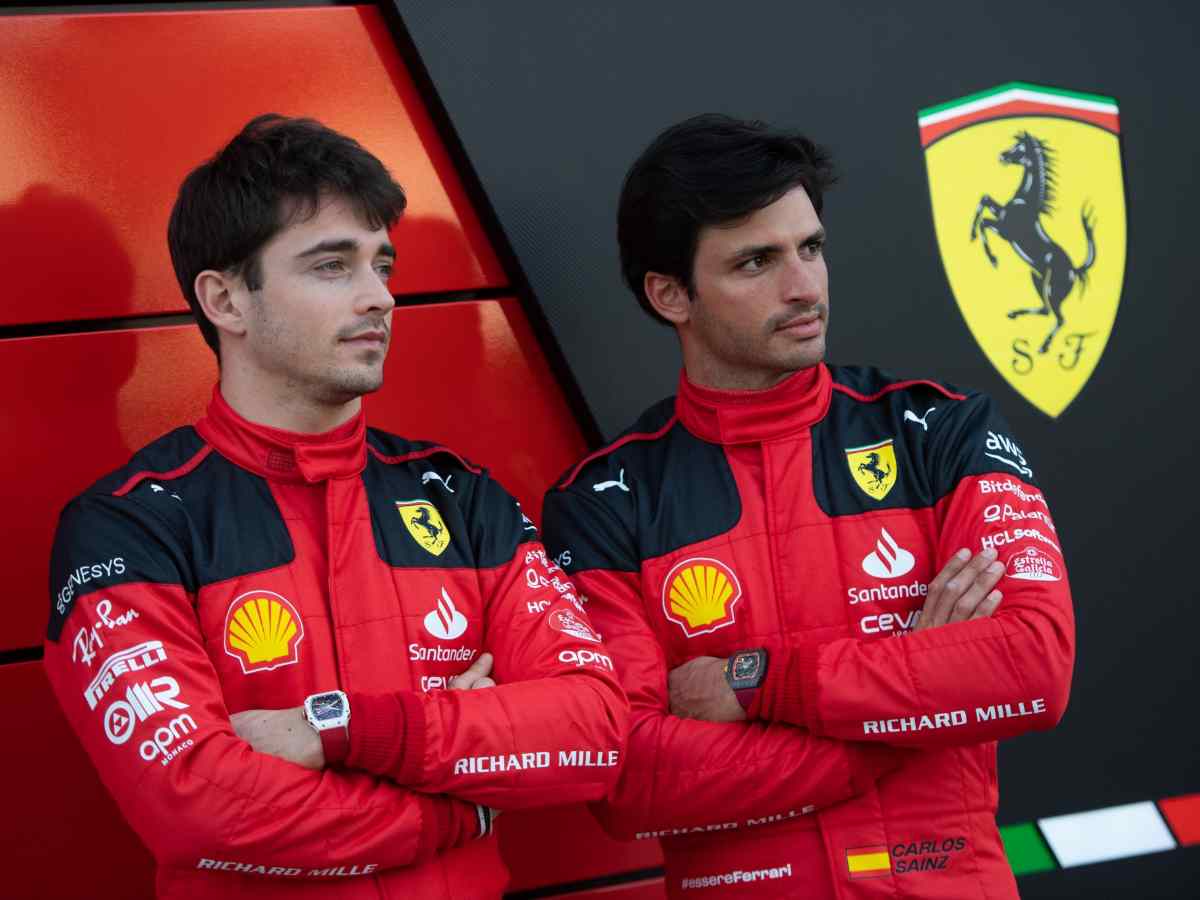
(263,631)
(699,595)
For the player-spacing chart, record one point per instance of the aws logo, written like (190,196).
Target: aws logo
(699,595)
(263,631)
(1029,209)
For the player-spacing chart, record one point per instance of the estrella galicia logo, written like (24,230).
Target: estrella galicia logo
(1029,209)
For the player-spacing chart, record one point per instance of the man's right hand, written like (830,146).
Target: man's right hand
(962,590)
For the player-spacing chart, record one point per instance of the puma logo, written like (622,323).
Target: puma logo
(427,477)
(910,416)
(605,485)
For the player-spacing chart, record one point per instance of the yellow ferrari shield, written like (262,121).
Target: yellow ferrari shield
(1029,209)
(873,468)
(425,524)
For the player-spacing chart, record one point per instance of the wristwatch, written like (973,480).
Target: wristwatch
(745,672)
(329,715)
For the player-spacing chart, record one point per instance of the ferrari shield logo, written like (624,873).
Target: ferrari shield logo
(423,522)
(1029,209)
(873,468)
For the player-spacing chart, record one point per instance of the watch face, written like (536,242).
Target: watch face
(327,707)
(746,666)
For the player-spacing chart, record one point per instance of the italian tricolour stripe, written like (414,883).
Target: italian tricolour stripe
(868,862)
(1017,99)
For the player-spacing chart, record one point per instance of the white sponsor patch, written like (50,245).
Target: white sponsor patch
(568,623)
(1032,564)
(888,559)
(446,622)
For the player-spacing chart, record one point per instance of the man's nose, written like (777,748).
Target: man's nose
(373,295)
(803,279)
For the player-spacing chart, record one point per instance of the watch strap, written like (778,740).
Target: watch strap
(335,742)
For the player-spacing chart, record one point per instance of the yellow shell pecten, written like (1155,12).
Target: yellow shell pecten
(262,628)
(700,593)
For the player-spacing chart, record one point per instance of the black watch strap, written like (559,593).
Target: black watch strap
(745,671)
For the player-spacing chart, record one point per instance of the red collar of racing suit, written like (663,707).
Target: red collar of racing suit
(749,417)
(285,455)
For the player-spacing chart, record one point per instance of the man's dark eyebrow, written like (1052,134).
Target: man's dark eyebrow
(756,250)
(343,246)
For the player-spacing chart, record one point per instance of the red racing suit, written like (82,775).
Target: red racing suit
(809,519)
(232,566)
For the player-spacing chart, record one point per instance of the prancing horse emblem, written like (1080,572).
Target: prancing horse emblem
(1020,223)
(424,525)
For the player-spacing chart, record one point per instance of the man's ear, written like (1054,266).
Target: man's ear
(221,300)
(668,296)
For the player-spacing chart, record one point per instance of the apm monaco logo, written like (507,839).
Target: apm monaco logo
(445,622)
(873,468)
(425,525)
(888,559)
(1031,564)
(699,595)
(263,631)
(1029,208)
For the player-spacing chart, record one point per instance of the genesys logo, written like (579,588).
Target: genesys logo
(82,575)
(135,659)
(142,700)
(1003,512)
(445,622)
(586,658)
(888,559)
(87,639)
(567,622)
(1032,565)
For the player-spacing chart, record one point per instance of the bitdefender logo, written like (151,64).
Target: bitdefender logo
(888,559)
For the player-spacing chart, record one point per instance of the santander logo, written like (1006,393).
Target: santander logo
(888,559)
(445,622)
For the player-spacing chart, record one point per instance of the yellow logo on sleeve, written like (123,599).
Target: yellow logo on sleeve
(873,468)
(699,595)
(425,524)
(263,631)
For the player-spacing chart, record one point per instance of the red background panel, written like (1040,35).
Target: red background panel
(651,889)
(103,115)
(467,374)
(61,832)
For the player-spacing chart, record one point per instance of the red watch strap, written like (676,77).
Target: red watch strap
(335,742)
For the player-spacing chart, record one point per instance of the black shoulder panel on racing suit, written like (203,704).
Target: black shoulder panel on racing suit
(175,514)
(919,436)
(431,508)
(627,491)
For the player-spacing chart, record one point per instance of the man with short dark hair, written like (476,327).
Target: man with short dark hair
(319,580)
(780,560)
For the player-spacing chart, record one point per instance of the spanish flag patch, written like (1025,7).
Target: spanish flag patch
(868,862)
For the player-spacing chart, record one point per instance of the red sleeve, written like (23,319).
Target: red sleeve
(971,681)
(551,731)
(146,704)
(682,773)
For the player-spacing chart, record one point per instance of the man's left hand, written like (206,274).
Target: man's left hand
(284,733)
(699,690)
